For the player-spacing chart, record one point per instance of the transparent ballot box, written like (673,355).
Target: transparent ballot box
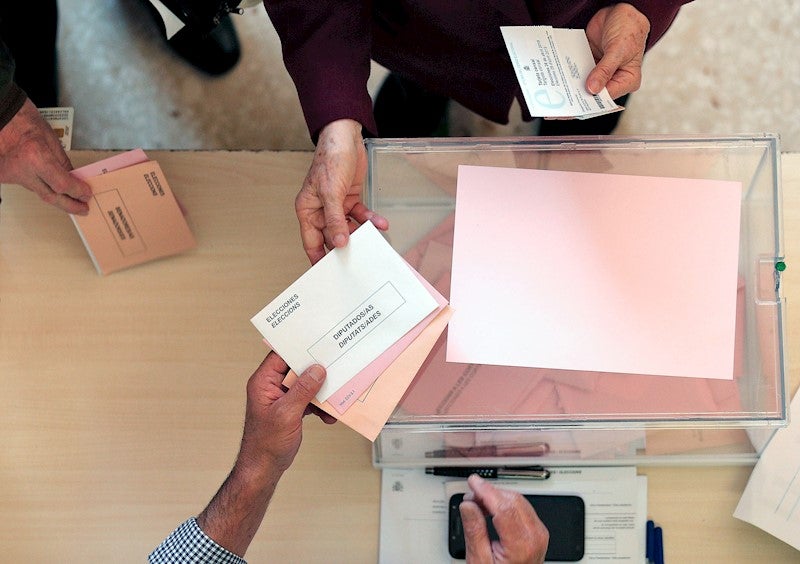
(467,414)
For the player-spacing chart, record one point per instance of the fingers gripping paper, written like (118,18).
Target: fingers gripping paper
(346,310)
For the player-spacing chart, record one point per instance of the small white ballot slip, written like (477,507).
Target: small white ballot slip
(551,65)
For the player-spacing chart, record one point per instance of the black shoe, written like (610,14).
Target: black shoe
(405,109)
(201,15)
(216,53)
(210,47)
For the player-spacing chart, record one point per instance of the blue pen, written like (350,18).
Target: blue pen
(658,549)
(650,542)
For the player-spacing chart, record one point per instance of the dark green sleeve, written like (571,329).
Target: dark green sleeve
(11,96)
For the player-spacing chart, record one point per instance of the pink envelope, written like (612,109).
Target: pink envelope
(110,164)
(369,415)
(443,388)
(116,162)
(348,394)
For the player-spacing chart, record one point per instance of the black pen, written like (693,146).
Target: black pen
(519,473)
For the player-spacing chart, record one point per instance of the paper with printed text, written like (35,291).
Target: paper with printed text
(346,310)
(552,66)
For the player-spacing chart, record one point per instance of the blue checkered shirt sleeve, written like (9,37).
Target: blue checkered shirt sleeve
(188,543)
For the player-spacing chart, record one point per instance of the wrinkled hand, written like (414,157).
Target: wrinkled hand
(617,35)
(273,427)
(331,192)
(31,155)
(523,537)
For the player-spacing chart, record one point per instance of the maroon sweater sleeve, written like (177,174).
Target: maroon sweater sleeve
(326,49)
(327,46)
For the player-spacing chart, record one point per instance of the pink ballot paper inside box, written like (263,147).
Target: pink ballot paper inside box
(603,272)
(349,309)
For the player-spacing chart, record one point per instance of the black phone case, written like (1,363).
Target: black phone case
(563,515)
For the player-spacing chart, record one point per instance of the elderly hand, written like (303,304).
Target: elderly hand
(331,192)
(617,35)
(31,155)
(523,537)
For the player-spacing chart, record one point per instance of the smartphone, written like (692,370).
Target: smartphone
(563,515)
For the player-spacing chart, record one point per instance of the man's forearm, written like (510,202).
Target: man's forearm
(234,515)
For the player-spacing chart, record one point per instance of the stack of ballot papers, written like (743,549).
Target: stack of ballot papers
(552,65)
(414,511)
(365,315)
(133,215)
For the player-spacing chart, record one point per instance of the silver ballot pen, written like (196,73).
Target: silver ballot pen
(518,473)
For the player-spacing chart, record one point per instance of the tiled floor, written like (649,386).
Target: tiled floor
(724,67)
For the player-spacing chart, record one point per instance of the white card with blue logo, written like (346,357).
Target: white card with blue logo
(552,65)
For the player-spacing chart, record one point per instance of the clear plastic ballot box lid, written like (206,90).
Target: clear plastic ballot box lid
(468,413)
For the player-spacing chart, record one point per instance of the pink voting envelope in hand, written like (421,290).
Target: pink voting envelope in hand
(369,415)
(348,394)
(133,217)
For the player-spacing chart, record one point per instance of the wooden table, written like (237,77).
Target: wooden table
(123,396)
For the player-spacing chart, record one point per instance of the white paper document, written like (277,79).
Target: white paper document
(771,500)
(172,23)
(413,517)
(414,511)
(60,119)
(346,310)
(552,65)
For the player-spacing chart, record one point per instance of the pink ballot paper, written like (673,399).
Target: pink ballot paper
(595,272)
(348,394)
(369,414)
(122,160)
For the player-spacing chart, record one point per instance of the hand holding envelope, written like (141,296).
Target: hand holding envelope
(133,216)
(348,310)
(372,409)
(331,192)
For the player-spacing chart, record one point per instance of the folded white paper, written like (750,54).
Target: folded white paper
(552,65)
(346,310)
(771,500)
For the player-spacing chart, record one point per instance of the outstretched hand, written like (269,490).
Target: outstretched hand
(273,430)
(331,194)
(273,427)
